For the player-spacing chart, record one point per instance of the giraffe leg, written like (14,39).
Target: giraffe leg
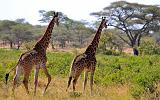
(85,80)
(76,76)
(69,82)
(91,82)
(36,79)
(49,78)
(27,71)
(74,82)
(25,82)
(16,77)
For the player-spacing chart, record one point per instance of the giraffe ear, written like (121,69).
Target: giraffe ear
(54,13)
(57,14)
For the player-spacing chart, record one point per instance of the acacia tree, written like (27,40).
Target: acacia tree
(132,19)
(6,31)
(22,33)
(15,32)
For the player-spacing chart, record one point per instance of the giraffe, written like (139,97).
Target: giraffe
(86,61)
(35,58)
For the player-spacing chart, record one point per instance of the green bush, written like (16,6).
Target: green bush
(28,45)
(112,52)
(149,46)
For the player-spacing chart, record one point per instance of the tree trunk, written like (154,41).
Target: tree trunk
(52,45)
(135,52)
(11,44)
(18,45)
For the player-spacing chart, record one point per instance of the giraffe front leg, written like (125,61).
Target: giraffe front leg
(36,79)
(49,78)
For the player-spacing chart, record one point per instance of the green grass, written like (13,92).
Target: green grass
(141,75)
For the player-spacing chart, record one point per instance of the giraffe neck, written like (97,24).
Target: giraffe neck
(45,39)
(91,49)
(96,38)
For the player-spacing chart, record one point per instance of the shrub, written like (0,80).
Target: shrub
(28,45)
(149,46)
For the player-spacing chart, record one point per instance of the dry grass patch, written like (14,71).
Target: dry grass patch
(57,91)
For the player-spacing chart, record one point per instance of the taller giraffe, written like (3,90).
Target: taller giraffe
(86,61)
(35,57)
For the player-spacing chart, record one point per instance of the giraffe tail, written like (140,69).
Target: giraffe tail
(7,74)
(6,77)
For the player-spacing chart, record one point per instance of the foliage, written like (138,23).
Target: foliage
(140,73)
(110,43)
(112,52)
(28,45)
(15,32)
(149,46)
(47,15)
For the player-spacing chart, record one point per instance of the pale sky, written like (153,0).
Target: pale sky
(74,9)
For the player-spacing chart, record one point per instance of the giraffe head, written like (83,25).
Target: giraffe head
(104,22)
(56,19)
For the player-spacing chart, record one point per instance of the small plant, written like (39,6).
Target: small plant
(75,94)
(136,91)
(28,45)
(149,47)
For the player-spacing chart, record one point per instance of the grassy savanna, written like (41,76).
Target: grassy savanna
(116,78)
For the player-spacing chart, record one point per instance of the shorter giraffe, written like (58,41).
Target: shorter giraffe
(86,61)
(35,58)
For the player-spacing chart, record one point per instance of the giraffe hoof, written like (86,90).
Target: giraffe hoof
(43,93)
(92,94)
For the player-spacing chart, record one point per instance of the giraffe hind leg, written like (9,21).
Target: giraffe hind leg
(91,82)
(25,80)
(36,80)
(76,76)
(74,83)
(49,78)
(16,77)
(69,82)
